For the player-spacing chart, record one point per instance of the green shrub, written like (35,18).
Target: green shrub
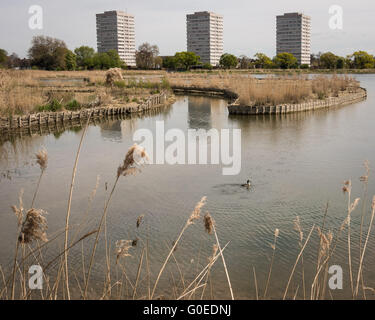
(321,95)
(53,106)
(207,66)
(73,105)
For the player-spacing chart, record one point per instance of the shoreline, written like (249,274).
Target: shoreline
(55,118)
(344,98)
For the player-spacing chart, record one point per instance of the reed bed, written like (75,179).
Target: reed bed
(63,281)
(270,90)
(23,92)
(29,91)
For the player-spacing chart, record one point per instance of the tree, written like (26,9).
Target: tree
(48,53)
(185,60)
(146,56)
(340,63)
(285,60)
(3,58)
(158,62)
(114,59)
(107,60)
(328,60)
(245,62)
(262,61)
(207,66)
(59,58)
(25,63)
(362,60)
(169,63)
(228,61)
(315,60)
(70,60)
(101,61)
(84,57)
(14,61)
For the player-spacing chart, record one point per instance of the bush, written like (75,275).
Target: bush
(207,66)
(228,61)
(53,106)
(73,105)
(321,95)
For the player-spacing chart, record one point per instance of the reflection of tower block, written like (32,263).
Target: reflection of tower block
(206,113)
(199,110)
(111,130)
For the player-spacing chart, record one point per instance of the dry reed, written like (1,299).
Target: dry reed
(135,157)
(270,90)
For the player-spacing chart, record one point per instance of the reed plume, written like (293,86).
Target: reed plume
(135,158)
(139,220)
(122,249)
(18,211)
(195,215)
(34,227)
(325,243)
(42,159)
(208,223)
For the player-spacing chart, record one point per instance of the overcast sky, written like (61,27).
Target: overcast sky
(249,25)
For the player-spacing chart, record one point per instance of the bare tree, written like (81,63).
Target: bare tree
(146,56)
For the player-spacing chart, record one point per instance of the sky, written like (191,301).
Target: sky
(249,25)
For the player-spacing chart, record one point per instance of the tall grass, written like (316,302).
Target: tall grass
(23,92)
(270,90)
(29,91)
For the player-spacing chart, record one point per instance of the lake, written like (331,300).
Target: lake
(297,164)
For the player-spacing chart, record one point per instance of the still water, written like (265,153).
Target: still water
(297,164)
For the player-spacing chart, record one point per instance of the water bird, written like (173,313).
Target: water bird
(247,184)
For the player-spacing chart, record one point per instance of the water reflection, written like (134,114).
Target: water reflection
(199,113)
(111,130)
